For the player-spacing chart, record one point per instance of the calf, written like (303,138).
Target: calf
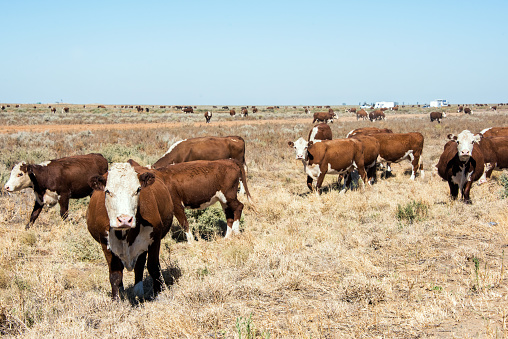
(437,116)
(461,163)
(199,184)
(57,181)
(129,213)
(495,155)
(208,116)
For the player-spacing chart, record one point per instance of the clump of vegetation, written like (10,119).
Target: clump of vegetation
(503,180)
(412,211)
(207,223)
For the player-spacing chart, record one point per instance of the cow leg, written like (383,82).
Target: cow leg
(465,192)
(154,267)
(179,213)
(35,214)
(115,271)
(321,178)
(454,190)
(309,183)
(233,211)
(138,275)
(372,174)
(64,205)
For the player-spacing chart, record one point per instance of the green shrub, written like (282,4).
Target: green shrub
(414,210)
(503,179)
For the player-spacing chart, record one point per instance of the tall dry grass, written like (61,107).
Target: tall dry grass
(335,265)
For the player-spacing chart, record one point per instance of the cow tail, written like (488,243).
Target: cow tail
(244,182)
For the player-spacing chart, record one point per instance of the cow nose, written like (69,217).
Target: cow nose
(124,220)
(7,188)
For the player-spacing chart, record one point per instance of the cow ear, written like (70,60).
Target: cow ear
(477,138)
(133,163)
(27,168)
(291,144)
(146,179)
(452,137)
(310,143)
(97,183)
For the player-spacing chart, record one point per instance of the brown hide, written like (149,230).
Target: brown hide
(324,132)
(496,132)
(495,152)
(322,116)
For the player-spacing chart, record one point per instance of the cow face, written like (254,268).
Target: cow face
(465,142)
(19,178)
(122,189)
(300,147)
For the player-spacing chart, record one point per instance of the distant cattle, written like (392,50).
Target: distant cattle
(254,110)
(495,155)
(3,107)
(225,107)
(245,112)
(395,108)
(326,117)
(53,110)
(65,110)
(468,110)
(460,109)
(437,116)
(57,180)
(361,114)
(351,110)
(495,132)
(494,108)
(461,163)
(208,116)
(307,110)
(101,106)
(376,115)
(188,110)
(147,109)
(232,112)
(128,214)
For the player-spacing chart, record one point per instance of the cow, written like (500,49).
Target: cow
(320,132)
(460,109)
(376,115)
(326,117)
(368,131)
(437,116)
(370,149)
(200,184)
(395,108)
(307,110)
(244,112)
(330,110)
(461,163)
(495,155)
(129,213)
(188,109)
(361,114)
(494,132)
(339,156)
(396,147)
(208,116)
(468,110)
(53,110)
(254,110)
(57,181)
(351,110)
(225,107)
(65,110)
(494,108)
(232,112)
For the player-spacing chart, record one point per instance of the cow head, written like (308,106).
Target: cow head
(122,187)
(444,115)
(300,147)
(20,177)
(465,142)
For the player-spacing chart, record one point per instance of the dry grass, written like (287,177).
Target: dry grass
(337,265)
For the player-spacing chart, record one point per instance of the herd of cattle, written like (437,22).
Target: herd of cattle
(132,207)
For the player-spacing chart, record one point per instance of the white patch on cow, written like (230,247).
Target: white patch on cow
(236,226)
(50,198)
(347,135)
(130,253)
(174,145)
(219,196)
(138,289)
(189,236)
(45,163)
(209,113)
(313,171)
(313,134)
(485,130)
(242,188)
(460,177)
(122,194)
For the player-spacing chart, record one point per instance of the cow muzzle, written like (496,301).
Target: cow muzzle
(124,222)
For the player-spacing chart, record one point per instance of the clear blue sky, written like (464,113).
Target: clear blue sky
(253,52)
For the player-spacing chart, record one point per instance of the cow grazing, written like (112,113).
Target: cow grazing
(368,131)
(468,110)
(200,184)
(129,213)
(396,147)
(361,114)
(254,110)
(460,109)
(65,110)
(495,132)
(53,110)
(208,116)
(325,117)
(57,181)
(461,163)
(320,132)
(351,110)
(494,108)
(495,155)
(437,116)
(232,112)
(188,109)
(244,112)
(370,149)
(376,115)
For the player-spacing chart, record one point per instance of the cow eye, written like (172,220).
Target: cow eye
(108,192)
(20,174)
(138,190)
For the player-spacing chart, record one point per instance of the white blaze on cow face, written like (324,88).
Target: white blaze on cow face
(18,179)
(122,196)
(300,147)
(465,142)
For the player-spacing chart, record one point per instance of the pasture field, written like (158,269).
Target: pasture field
(398,259)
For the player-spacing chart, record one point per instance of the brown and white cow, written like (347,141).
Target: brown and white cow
(461,163)
(377,115)
(129,213)
(494,108)
(368,131)
(244,112)
(232,112)
(208,116)
(200,184)
(326,117)
(460,109)
(495,132)
(320,132)
(396,147)
(57,181)
(437,116)
(351,110)
(188,109)
(468,110)
(495,155)
(362,114)
(370,149)
(65,110)
(254,109)
(53,110)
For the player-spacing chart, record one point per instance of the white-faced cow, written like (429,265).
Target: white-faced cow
(244,113)
(495,155)
(396,147)
(208,116)
(461,163)
(129,213)
(437,116)
(200,184)
(57,181)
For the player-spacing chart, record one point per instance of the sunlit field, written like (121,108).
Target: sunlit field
(398,259)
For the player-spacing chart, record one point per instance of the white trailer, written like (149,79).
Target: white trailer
(439,103)
(386,104)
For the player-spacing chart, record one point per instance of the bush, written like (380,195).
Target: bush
(414,210)
(504,182)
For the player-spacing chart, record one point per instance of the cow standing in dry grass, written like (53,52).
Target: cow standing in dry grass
(495,155)
(57,181)
(208,116)
(461,163)
(437,116)
(129,213)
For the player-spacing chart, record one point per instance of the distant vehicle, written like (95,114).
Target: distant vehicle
(364,106)
(385,104)
(425,106)
(439,103)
